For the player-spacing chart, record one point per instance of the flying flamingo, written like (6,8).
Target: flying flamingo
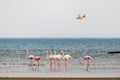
(81,17)
(87,58)
(38,58)
(66,57)
(49,57)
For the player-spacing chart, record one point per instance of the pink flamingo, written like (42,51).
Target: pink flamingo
(38,58)
(31,58)
(87,58)
(49,57)
(57,58)
(66,57)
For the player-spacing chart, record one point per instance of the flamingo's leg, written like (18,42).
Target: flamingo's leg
(65,64)
(54,65)
(50,65)
(59,65)
(88,65)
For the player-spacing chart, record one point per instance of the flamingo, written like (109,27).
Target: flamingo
(49,57)
(66,57)
(26,51)
(57,58)
(38,58)
(81,17)
(87,59)
(31,58)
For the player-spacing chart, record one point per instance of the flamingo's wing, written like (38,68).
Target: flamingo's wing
(84,16)
(78,17)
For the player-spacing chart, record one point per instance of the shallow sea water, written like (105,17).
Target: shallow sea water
(14,59)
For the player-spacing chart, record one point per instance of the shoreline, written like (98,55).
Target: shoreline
(60,78)
(60,75)
(69,75)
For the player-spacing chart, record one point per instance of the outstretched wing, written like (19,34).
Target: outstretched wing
(78,17)
(81,17)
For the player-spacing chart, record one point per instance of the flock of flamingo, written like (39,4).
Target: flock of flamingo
(55,60)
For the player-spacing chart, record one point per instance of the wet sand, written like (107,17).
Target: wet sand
(59,76)
(26,78)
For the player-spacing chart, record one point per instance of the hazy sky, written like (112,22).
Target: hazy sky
(57,18)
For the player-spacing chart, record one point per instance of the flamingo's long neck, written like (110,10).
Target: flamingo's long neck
(55,53)
(26,53)
(47,56)
(62,54)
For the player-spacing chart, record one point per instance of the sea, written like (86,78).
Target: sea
(14,58)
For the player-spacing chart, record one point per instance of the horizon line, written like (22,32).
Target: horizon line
(54,37)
